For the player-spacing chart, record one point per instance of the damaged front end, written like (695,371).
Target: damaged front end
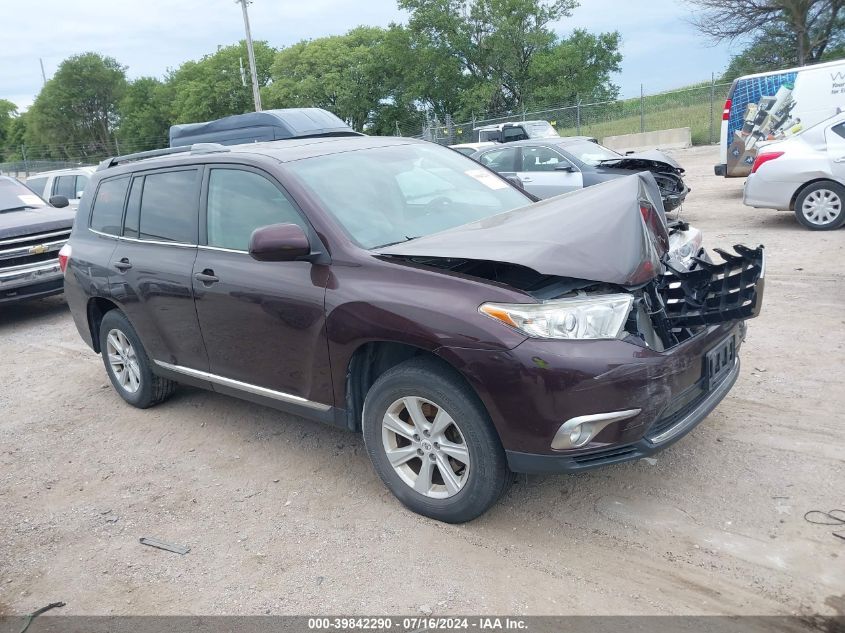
(666,172)
(675,306)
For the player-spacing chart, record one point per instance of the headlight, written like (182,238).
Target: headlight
(594,317)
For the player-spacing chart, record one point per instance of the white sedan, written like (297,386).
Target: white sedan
(805,174)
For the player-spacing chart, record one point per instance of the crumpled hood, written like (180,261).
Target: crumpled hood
(597,233)
(651,159)
(40,220)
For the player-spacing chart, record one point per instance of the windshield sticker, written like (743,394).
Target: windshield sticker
(28,198)
(486,178)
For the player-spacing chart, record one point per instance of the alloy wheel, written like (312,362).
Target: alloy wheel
(821,207)
(123,361)
(425,447)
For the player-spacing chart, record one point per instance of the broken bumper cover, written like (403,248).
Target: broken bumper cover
(665,431)
(30,281)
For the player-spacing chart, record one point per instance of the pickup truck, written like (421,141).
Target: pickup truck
(32,232)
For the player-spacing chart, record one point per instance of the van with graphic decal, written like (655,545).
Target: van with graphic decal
(773,106)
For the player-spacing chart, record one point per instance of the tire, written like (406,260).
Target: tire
(821,206)
(136,383)
(479,474)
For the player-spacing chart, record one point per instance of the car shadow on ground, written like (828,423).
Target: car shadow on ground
(13,314)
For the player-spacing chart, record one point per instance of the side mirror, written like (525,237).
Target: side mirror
(279,243)
(565,167)
(515,181)
(60,202)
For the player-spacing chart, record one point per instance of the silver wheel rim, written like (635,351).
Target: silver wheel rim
(123,361)
(821,207)
(425,447)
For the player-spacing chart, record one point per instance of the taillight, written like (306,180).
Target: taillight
(764,158)
(655,226)
(726,113)
(64,256)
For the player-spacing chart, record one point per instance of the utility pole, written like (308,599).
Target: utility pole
(43,74)
(256,95)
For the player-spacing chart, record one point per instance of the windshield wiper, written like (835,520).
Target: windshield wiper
(406,239)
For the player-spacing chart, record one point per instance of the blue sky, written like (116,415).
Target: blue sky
(660,49)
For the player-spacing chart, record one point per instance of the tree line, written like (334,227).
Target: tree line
(463,58)
(456,57)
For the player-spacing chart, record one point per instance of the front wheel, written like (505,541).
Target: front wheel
(432,442)
(819,207)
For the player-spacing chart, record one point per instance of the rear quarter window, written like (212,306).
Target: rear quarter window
(37,184)
(107,214)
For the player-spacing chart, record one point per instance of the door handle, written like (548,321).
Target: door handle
(841,159)
(206,276)
(123,265)
(525,178)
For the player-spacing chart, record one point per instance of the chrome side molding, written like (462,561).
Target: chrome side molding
(244,386)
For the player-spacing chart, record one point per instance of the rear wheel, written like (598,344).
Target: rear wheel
(128,365)
(819,207)
(432,442)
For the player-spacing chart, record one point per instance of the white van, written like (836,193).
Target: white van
(773,106)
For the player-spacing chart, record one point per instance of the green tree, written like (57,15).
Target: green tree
(214,86)
(773,49)
(341,73)
(144,115)
(494,41)
(76,112)
(578,67)
(805,28)
(8,112)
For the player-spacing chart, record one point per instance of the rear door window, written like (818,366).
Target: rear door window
(65,186)
(169,206)
(107,213)
(241,201)
(81,183)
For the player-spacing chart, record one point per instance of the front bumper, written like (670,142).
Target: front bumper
(665,431)
(30,281)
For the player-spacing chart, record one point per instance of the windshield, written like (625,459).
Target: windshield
(591,153)
(541,129)
(14,195)
(387,195)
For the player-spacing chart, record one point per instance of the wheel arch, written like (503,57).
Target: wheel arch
(809,183)
(372,359)
(96,310)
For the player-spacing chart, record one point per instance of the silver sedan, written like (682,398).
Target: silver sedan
(805,174)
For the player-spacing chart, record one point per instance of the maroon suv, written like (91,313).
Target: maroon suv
(398,288)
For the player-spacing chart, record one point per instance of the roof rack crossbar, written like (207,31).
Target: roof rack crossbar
(199,148)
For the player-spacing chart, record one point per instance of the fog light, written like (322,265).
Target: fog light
(577,432)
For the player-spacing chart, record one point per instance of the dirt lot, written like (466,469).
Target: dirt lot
(286,516)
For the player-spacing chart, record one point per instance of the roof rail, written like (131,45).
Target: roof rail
(196,148)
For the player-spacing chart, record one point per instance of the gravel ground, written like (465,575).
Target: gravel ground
(286,516)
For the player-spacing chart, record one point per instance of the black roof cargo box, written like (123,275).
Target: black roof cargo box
(269,125)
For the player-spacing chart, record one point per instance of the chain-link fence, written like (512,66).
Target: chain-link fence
(698,108)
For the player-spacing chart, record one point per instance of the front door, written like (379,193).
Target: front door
(546,173)
(263,322)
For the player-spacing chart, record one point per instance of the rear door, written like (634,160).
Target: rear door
(263,322)
(546,172)
(152,265)
(835,139)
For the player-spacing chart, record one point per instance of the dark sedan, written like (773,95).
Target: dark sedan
(548,167)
